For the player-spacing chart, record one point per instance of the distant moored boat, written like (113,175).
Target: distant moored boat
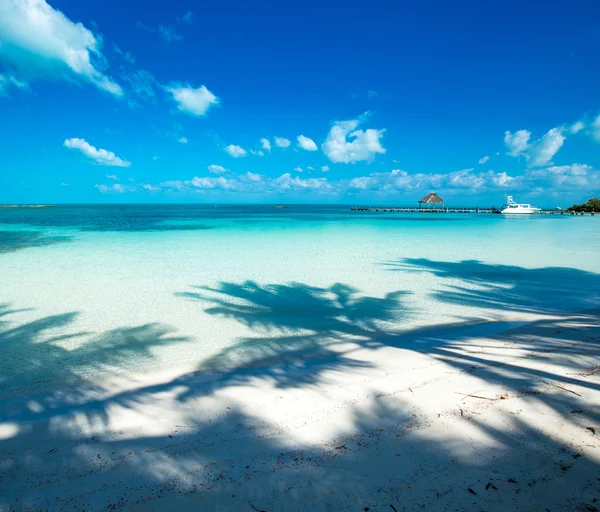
(515,208)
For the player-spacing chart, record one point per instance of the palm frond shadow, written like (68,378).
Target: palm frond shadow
(508,287)
(300,335)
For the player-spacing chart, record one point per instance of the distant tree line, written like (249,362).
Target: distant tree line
(592,205)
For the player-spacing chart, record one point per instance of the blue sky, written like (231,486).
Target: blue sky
(330,102)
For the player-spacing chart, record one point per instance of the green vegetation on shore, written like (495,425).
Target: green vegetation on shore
(592,205)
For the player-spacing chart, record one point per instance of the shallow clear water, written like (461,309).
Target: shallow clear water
(94,289)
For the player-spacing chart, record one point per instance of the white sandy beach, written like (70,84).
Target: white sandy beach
(463,417)
(279,370)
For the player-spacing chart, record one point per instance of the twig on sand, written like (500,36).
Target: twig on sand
(569,390)
(499,397)
(257,509)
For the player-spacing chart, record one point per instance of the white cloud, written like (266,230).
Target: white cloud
(194,102)
(211,183)
(257,153)
(398,180)
(325,168)
(540,151)
(155,157)
(566,178)
(306,143)
(563,177)
(364,147)
(548,180)
(112,177)
(253,177)
(98,156)
(235,151)
(372,94)
(117,187)
(298,169)
(183,140)
(40,41)
(216,169)
(282,142)
(518,142)
(577,127)
(64,184)
(310,168)
(484,159)
(266,145)
(596,129)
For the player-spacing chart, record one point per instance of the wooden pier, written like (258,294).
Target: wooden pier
(403,209)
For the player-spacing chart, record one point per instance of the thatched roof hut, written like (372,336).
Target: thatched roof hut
(431,200)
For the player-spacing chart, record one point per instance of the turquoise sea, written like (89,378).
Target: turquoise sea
(88,291)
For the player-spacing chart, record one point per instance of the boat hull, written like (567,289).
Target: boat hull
(520,211)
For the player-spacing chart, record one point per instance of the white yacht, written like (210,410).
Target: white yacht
(512,207)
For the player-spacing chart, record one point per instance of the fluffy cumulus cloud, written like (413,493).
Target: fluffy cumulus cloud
(399,180)
(550,180)
(112,177)
(190,100)
(306,143)
(39,41)
(562,178)
(252,176)
(542,150)
(345,144)
(325,168)
(183,140)
(94,155)
(577,127)
(266,145)
(116,188)
(484,159)
(217,169)
(539,152)
(566,178)
(253,183)
(298,169)
(282,142)
(212,183)
(517,142)
(235,151)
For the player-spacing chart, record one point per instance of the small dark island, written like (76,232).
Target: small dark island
(591,206)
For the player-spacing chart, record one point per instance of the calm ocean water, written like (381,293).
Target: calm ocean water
(90,290)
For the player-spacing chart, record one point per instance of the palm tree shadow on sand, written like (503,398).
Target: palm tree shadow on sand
(299,324)
(300,335)
(508,287)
